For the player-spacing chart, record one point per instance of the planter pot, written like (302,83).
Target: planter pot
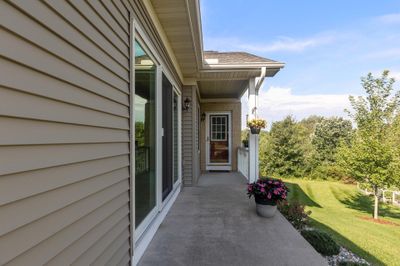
(255,130)
(265,208)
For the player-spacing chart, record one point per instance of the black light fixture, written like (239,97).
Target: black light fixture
(203,116)
(186,104)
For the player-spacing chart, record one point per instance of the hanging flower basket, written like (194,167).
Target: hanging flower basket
(255,130)
(256,125)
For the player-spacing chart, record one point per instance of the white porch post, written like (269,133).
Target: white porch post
(253,138)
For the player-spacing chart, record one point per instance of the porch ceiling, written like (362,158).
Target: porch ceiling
(228,83)
(180,20)
(218,74)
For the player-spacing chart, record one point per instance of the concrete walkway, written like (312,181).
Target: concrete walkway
(215,223)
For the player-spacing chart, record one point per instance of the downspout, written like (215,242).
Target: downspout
(262,77)
(257,88)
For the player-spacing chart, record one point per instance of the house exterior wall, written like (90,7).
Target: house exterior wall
(196,113)
(190,136)
(64,126)
(235,109)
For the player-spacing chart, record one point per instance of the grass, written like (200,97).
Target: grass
(337,209)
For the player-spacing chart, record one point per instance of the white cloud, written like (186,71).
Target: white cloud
(282,44)
(392,74)
(276,103)
(395,75)
(288,44)
(390,18)
(385,54)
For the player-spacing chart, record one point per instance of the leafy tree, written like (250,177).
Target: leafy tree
(307,128)
(264,148)
(309,124)
(328,134)
(371,157)
(286,155)
(394,139)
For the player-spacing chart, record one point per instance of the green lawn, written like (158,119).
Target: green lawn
(337,208)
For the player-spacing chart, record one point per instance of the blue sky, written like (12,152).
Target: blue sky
(326,45)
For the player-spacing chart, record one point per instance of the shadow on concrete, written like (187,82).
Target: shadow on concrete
(215,224)
(296,193)
(345,242)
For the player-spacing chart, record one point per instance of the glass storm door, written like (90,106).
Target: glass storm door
(218,142)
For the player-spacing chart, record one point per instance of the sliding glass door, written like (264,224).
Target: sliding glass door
(156,110)
(176,137)
(145,134)
(167,123)
(170,137)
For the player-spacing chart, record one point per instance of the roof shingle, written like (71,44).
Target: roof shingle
(235,57)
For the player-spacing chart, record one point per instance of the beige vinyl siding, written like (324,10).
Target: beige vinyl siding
(187,140)
(196,137)
(64,132)
(190,153)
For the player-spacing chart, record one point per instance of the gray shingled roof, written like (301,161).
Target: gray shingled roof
(235,57)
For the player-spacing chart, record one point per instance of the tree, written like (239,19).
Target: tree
(328,134)
(371,157)
(264,150)
(309,124)
(394,139)
(285,155)
(307,128)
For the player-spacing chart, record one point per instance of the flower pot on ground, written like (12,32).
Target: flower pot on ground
(256,125)
(267,192)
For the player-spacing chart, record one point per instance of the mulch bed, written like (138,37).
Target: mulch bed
(378,221)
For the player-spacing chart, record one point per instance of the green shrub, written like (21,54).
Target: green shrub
(328,172)
(295,213)
(322,242)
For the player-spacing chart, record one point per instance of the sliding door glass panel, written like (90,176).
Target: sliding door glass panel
(167,122)
(145,134)
(176,128)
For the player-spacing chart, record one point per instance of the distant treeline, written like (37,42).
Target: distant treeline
(367,150)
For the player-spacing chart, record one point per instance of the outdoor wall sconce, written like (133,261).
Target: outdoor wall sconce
(203,116)
(186,104)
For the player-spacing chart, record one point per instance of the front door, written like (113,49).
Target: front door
(218,141)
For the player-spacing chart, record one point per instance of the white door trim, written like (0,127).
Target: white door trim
(218,166)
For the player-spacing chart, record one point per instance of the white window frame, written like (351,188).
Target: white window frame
(142,235)
(144,224)
(225,132)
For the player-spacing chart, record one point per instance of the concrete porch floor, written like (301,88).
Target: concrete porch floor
(214,223)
